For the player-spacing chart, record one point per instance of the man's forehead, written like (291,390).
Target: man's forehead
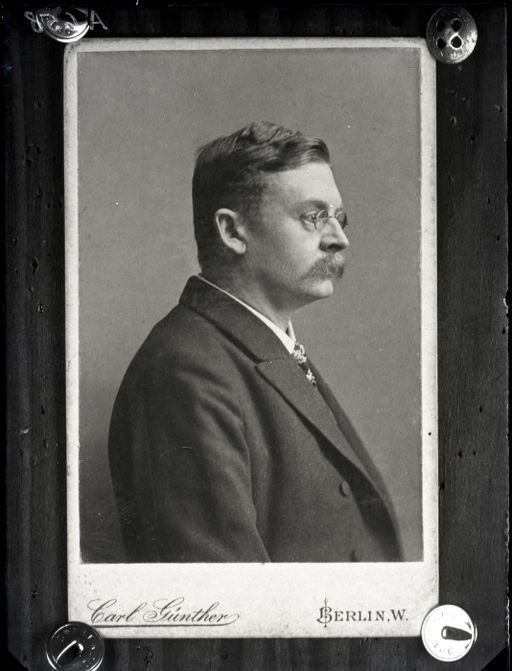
(309,182)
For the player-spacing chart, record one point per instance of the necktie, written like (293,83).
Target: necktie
(299,354)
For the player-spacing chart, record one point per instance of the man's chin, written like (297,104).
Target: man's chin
(322,288)
(328,286)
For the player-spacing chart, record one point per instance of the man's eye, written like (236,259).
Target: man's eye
(311,217)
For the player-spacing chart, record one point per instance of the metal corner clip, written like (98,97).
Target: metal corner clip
(451,35)
(64,24)
(75,646)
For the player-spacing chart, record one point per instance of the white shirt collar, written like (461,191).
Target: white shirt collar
(287,338)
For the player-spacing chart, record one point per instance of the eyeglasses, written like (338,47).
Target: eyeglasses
(318,219)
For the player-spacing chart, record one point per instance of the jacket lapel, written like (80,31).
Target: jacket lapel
(286,376)
(272,361)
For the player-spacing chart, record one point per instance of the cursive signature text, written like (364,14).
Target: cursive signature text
(166,612)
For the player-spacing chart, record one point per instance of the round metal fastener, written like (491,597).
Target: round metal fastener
(63,25)
(448,633)
(75,647)
(451,35)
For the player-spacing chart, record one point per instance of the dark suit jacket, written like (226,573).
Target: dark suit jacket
(222,451)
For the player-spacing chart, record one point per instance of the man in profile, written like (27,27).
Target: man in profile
(226,445)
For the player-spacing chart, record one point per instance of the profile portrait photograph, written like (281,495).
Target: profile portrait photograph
(225,442)
(246,305)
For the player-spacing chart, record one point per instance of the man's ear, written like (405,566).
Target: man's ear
(231,230)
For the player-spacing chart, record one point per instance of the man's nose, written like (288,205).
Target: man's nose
(335,237)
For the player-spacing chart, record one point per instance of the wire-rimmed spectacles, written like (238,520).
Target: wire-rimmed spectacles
(318,219)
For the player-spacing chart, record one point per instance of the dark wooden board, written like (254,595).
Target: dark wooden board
(472,265)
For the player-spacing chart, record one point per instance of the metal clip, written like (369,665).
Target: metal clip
(448,633)
(451,35)
(64,25)
(75,647)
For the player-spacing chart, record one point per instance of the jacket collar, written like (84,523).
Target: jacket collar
(234,320)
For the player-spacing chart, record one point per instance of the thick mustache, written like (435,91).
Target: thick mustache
(328,266)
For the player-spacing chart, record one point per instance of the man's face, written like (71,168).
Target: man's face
(290,259)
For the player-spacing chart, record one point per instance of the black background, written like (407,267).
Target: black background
(472,324)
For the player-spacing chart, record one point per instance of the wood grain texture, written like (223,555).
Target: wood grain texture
(472,339)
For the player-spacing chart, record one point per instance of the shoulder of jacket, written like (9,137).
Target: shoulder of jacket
(183,338)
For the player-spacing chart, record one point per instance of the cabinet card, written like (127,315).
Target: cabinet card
(219,485)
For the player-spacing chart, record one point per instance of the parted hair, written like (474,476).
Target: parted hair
(230,172)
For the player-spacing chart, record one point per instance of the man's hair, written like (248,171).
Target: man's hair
(230,172)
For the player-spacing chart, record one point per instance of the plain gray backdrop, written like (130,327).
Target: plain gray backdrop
(141,118)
